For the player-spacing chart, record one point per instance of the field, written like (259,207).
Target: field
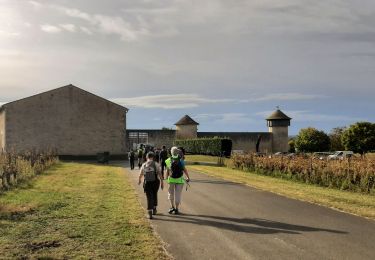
(76,211)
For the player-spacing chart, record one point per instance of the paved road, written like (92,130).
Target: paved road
(225,220)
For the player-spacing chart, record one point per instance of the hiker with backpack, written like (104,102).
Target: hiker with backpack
(175,177)
(151,174)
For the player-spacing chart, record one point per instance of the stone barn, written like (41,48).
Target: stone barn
(68,120)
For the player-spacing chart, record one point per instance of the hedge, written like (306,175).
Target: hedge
(208,146)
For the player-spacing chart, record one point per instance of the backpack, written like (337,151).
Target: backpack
(176,168)
(150,172)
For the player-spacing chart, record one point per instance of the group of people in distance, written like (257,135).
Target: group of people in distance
(154,168)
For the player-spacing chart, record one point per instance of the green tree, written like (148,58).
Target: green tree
(312,140)
(335,137)
(360,137)
(292,146)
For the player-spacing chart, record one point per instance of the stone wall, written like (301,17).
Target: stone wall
(68,120)
(2,130)
(156,137)
(245,141)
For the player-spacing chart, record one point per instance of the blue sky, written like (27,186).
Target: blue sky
(227,64)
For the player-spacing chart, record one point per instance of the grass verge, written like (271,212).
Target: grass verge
(355,203)
(76,210)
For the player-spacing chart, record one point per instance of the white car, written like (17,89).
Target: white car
(340,155)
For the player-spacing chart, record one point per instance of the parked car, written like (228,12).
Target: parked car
(340,155)
(321,155)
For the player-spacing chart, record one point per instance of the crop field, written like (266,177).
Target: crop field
(356,174)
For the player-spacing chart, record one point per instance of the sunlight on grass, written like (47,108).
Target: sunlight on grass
(76,211)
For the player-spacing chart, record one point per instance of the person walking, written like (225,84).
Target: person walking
(151,174)
(140,153)
(131,156)
(163,157)
(175,177)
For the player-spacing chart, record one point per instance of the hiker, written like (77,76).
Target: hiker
(140,153)
(175,173)
(151,174)
(131,156)
(163,157)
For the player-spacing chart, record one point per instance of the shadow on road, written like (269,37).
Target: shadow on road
(215,182)
(246,225)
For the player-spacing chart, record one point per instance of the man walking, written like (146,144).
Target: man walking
(131,156)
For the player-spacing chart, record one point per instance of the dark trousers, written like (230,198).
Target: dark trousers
(163,166)
(132,163)
(151,189)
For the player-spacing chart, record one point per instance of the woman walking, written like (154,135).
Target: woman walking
(151,174)
(175,177)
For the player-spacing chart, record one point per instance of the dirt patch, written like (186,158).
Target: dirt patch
(41,245)
(15,213)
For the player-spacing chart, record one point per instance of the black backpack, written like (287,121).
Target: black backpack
(150,172)
(176,168)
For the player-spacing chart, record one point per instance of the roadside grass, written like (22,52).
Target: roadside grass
(350,202)
(76,210)
(202,159)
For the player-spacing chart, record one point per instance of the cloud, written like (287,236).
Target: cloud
(308,116)
(50,28)
(224,117)
(9,34)
(35,4)
(177,101)
(107,24)
(287,97)
(68,27)
(85,30)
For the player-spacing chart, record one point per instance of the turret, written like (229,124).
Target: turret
(186,128)
(278,124)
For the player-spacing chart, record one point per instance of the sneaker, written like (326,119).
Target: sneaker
(150,214)
(154,211)
(171,210)
(176,212)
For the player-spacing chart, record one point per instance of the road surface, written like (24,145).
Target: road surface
(225,220)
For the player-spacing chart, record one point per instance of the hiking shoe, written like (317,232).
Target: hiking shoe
(171,210)
(176,212)
(154,211)
(150,214)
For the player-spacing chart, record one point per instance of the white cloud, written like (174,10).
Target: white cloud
(50,28)
(9,34)
(68,27)
(177,101)
(85,30)
(36,4)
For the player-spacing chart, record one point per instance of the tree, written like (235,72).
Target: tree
(292,146)
(335,138)
(360,137)
(312,140)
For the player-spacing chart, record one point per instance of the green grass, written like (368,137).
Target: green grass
(76,211)
(355,203)
(203,158)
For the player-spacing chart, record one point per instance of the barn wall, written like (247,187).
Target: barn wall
(156,137)
(68,120)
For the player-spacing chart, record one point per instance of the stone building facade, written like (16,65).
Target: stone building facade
(68,120)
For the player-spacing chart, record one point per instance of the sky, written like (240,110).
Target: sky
(227,64)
